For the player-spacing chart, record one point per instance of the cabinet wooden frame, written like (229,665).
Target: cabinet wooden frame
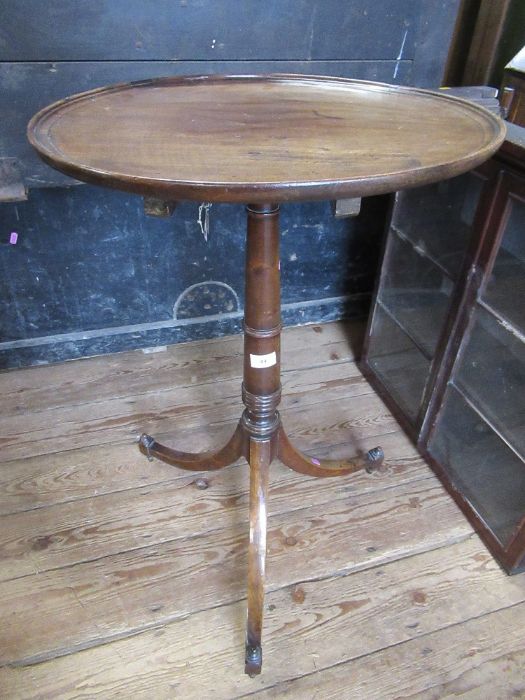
(503,178)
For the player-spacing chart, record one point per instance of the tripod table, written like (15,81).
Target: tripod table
(261,141)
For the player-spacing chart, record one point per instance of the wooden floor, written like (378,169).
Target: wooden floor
(120,578)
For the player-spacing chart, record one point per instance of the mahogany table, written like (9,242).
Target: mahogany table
(262,140)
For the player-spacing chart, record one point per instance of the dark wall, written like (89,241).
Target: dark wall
(90,272)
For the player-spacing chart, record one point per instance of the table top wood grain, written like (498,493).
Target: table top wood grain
(263,138)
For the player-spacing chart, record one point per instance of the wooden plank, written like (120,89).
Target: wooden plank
(120,594)
(123,374)
(69,533)
(67,476)
(482,658)
(313,625)
(124,419)
(433,40)
(130,30)
(485,49)
(12,188)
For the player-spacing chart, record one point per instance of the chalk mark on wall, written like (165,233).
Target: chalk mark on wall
(206,299)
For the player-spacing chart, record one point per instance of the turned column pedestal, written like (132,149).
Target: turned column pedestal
(259,436)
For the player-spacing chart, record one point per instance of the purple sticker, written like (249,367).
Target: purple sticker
(13,238)
(316,461)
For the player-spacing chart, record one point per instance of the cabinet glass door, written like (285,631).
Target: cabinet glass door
(480,465)
(479,436)
(505,288)
(491,374)
(437,219)
(429,234)
(398,362)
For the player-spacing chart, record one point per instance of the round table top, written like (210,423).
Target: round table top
(263,138)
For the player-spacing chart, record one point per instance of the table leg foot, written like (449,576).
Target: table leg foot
(260,457)
(197,461)
(253,660)
(299,462)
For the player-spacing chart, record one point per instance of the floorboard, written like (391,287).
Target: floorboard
(477,659)
(120,578)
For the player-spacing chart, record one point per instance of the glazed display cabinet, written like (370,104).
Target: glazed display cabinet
(445,345)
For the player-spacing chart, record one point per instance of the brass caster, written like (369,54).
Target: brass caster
(146,441)
(253,660)
(374,459)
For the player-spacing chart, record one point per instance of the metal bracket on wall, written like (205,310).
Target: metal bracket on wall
(346,207)
(158,207)
(12,188)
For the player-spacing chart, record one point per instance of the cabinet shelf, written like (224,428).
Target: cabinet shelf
(497,394)
(412,327)
(437,219)
(506,286)
(511,328)
(480,466)
(420,250)
(416,293)
(473,403)
(398,362)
